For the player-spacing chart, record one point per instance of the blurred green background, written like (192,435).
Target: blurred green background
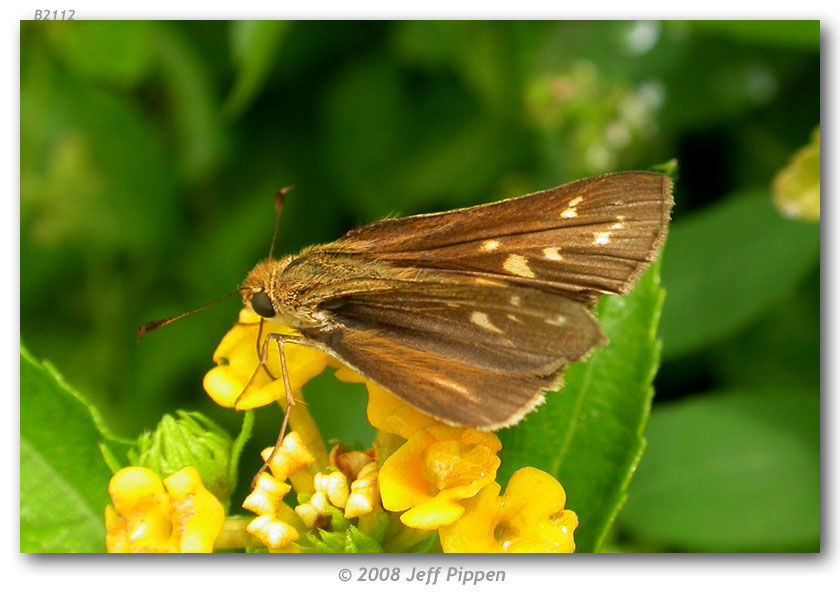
(150,154)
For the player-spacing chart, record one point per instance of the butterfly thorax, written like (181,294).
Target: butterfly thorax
(300,286)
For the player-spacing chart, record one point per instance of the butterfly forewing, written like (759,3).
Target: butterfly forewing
(581,240)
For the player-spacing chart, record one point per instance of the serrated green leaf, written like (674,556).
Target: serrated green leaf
(64,479)
(430,544)
(729,264)
(314,542)
(737,471)
(359,543)
(589,435)
(331,541)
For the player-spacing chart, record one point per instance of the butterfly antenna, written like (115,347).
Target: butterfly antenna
(152,325)
(279,201)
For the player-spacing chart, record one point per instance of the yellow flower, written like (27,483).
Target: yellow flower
(436,469)
(292,456)
(272,532)
(266,500)
(361,470)
(266,496)
(237,358)
(149,515)
(530,517)
(362,499)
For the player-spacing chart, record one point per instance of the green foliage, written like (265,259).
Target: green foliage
(589,435)
(189,440)
(64,480)
(737,471)
(726,266)
(150,153)
(253,47)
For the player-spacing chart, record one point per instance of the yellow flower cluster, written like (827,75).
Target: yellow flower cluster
(149,515)
(276,525)
(441,478)
(421,484)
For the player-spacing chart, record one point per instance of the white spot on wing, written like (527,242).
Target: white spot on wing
(452,385)
(552,254)
(602,239)
(515,300)
(514,318)
(485,281)
(575,201)
(490,245)
(518,265)
(556,320)
(482,320)
(569,213)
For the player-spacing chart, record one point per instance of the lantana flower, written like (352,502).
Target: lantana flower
(434,471)
(237,358)
(177,514)
(530,517)
(439,479)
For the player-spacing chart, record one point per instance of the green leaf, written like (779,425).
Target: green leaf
(253,45)
(358,542)
(115,52)
(781,351)
(787,33)
(589,435)
(201,139)
(737,471)
(64,480)
(728,265)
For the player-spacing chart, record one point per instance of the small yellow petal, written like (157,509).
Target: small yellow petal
(433,514)
(291,456)
(334,485)
(272,532)
(238,359)
(266,496)
(308,514)
(199,516)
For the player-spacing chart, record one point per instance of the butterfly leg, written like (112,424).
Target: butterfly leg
(280,339)
(262,353)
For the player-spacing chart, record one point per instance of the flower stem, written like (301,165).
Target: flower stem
(301,421)
(234,536)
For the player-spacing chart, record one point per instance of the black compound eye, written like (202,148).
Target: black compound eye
(261,304)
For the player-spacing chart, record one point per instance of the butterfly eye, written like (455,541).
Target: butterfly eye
(261,304)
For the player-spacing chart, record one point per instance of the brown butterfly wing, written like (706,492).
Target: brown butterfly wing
(582,239)
(468,354)
(471,314)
